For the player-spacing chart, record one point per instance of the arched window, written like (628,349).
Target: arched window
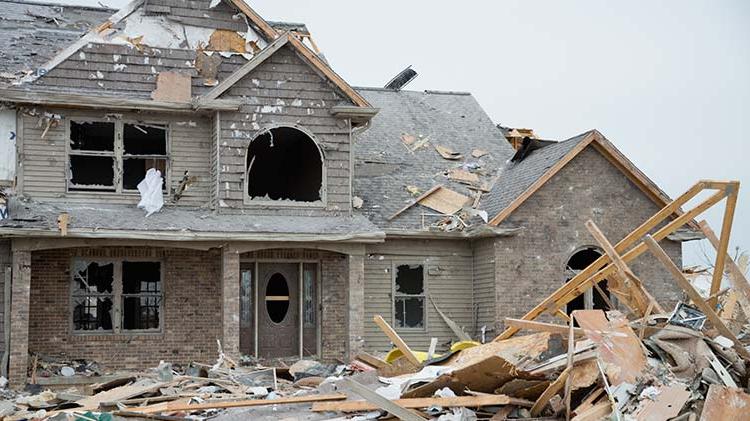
(284,163)
(591,299)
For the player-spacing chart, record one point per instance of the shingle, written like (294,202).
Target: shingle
(519,176)
(384,165)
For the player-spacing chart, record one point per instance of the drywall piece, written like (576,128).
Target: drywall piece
(172,87)
(445,201)
(723,403)
(7,145)
(618,346)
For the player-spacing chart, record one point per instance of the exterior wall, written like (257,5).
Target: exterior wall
(484,284)
(284,90)
(192,310)
(448,270)
(6,261)
(530,265)
(45,163)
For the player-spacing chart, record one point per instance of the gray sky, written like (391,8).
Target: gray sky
(667,82)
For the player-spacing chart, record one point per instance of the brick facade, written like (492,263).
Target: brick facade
(530,266)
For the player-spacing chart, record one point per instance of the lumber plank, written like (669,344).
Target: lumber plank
(182,406)
(721,251)
(415,403)
(541,326)
(677,274)
(381,402)
(372,360)
(736,277)
(397,341)
(551,390)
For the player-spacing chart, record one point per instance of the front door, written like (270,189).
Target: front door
(278,310)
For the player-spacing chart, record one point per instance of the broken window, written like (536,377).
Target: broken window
(115,156)
(144,147)
(102,289)
(409,296)
(284,164)
(93,296)
(141,295)
(277,298)
(591,298)
(92,156)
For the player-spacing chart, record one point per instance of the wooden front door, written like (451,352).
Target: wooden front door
(278,310)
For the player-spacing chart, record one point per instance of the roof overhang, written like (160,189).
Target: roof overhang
(54,98)
(358,115)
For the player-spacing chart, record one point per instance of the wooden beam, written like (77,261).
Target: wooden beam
(589,275)
(244,70)
(397,341)
(372,360)
(551,390)
(416,403)
(736,277)
(180,406)
(662,256)
(541,326)
(268,31)
(726,231)
(638,298)
(381,402)
(569,367)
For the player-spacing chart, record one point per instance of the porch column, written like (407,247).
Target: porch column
(230,299)
(356,313)
(19,318)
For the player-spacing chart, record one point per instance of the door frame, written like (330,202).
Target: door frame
(318,307)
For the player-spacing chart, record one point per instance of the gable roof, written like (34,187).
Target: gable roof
(385,166)
(521,180)
(311,58)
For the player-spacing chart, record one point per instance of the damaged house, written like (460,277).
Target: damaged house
(295,206)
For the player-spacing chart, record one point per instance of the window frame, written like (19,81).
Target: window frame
(117,296)
(118,155)
(423,296)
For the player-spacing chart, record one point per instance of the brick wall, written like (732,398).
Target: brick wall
(191,311)
(5,262)
(530,266)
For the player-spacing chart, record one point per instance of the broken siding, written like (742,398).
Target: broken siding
(45,161)
(197,13)
(7,146)
(484,283)
(448,269)
(284,90)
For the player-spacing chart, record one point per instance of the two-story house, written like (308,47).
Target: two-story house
(297,207)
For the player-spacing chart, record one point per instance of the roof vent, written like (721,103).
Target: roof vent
(402,79)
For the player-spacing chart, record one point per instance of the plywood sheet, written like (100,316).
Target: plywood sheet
(723,403)
(618,346)
(172,87)
(666,405)
(445,201)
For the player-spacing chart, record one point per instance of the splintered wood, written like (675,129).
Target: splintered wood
(445,201)
(618,346)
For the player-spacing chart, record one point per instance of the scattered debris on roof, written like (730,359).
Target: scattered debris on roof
(402,79)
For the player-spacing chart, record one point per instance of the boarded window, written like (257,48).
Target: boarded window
(93,296)
(113,156)
(92,156)
(141,295)
(102,289)
(284,164)
(409,296)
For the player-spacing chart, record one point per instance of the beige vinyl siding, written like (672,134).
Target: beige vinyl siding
(45,163)
(448,273)
(484,284)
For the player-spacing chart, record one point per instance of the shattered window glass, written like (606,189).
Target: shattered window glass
(308,295)
(409,297)
(92,136)
(92,156)
(141,295)
(246,296)
(92,296)
(144,147)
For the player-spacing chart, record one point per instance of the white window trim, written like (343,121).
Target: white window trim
(117,296)
(118,155)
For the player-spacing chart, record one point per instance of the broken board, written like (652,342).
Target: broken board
(445,201)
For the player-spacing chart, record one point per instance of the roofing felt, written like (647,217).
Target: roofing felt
(184,223)
(385,166)
(517,177)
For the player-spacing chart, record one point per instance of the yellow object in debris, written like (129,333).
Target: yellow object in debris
(395,353)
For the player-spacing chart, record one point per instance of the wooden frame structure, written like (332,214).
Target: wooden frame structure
(633,246)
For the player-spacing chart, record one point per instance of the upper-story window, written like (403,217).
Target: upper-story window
(284,164)
(111,156)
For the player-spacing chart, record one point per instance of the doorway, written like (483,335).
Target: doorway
(591,299)
(279,309)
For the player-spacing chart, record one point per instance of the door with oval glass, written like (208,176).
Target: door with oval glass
(278,310)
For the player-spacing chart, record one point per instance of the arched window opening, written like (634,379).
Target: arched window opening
(284,163)
(277,298)
(591,299)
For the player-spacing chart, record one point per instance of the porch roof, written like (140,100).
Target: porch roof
(39,219)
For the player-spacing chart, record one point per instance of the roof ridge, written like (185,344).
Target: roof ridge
(66,5)
(426,91)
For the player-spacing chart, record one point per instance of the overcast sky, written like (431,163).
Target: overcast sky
(668,82)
